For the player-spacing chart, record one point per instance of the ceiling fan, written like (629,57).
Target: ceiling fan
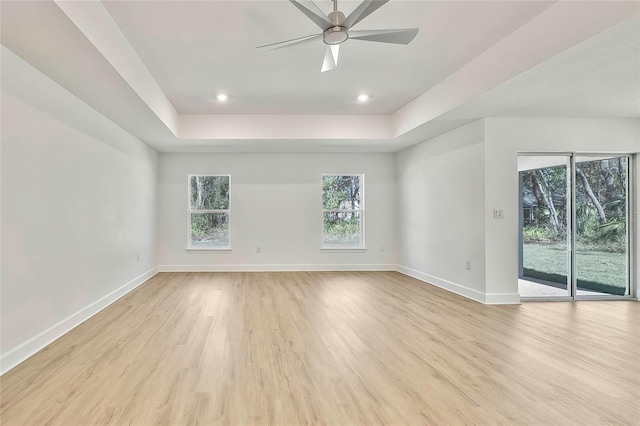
(336,29)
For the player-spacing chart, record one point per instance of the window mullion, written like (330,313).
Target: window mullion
(209,211)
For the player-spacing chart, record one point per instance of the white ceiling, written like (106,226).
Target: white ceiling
(196,49)
(153,67)
(599,77)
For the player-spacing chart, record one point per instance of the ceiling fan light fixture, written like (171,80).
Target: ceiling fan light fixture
(363,98)
(335,35)
(222,97)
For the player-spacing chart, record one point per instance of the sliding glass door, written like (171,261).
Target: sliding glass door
(601,223)
(545,226)
(574,226)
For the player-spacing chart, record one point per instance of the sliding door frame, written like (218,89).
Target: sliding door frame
(570,225)
(631,284)
(574,227)
(572,276)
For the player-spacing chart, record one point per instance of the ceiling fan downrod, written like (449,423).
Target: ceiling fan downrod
(336,34)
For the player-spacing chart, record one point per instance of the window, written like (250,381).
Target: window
(209,211)
(342,211)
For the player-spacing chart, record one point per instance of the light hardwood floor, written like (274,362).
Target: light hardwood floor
(331,348)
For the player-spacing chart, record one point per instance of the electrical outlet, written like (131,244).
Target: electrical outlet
(258,249)
(498,214)
(468,265)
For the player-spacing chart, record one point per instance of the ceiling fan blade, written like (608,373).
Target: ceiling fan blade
(314,13)
(287,43)
(364,9)
(331,57)
(385,36)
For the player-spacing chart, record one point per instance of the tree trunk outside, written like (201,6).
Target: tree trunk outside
(353,190)
(537,192)
(622,173)
(200,191)
(548,197)
(592,197)
(607,173)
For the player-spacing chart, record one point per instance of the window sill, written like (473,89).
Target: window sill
(343,249)
(215,249)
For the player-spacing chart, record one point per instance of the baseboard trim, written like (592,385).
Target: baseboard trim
(275,268)
(25,350)
(502,299)
(458,289)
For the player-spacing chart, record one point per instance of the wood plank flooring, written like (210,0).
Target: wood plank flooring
(331,348)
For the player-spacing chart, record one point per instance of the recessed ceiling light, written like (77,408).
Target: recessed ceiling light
(363,97)
(222,97)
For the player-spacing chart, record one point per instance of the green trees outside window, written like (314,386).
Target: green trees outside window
(343,211)
(209,210)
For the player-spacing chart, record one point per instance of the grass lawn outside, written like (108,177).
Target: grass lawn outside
(597,270)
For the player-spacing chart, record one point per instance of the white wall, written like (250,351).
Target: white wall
(504,138)
(448,188)
(276,205)
(440,210)
(78,206)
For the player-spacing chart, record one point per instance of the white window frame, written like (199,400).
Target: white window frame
(190,211)
(361,210)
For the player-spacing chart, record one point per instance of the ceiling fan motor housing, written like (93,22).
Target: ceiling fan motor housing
(336,17)
(336,34)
